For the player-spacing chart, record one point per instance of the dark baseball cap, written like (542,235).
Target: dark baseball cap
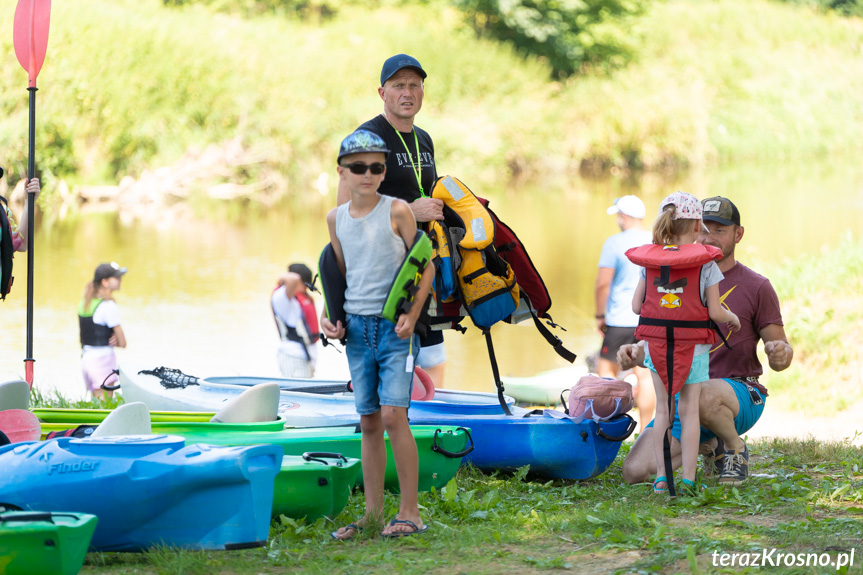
(396,63)
(303,271)
(111,270)
(362,141)
(720,210)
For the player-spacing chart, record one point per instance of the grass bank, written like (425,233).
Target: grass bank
(130,85)
(805,498)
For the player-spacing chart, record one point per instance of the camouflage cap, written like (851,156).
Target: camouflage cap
(720,210)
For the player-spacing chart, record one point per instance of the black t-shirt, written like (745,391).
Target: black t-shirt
(401,180)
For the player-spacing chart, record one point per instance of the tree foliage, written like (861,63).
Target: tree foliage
(570,34)
(843,7)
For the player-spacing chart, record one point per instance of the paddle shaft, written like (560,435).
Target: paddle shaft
(31,232)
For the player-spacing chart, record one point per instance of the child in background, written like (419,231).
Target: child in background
(297,322)
(676,323)
(370,236)
(99,322)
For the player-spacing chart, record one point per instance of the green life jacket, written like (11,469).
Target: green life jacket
(406,283)
(91,332)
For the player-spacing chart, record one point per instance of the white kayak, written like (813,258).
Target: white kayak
(544,388)
(161,391)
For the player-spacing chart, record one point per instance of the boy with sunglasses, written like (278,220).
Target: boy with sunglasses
(370,235)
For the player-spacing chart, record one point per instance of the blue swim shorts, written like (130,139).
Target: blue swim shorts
(747,416)
(377,358)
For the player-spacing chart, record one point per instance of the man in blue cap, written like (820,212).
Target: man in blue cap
(411,170)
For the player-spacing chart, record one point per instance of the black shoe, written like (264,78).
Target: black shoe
(736,468)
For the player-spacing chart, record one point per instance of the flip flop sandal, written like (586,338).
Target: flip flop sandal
(660,490)
(350,526)
(689,488)
(411,524)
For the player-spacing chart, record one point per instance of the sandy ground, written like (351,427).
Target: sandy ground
(838,427)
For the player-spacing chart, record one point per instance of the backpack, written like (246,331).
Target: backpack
(7,251)
(598,398)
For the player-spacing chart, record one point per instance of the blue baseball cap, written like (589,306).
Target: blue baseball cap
(396,63)
(362,141)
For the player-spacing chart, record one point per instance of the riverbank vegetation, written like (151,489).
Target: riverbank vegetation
(130,86)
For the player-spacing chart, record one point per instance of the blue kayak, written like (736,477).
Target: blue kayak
(147,490)
(553,445)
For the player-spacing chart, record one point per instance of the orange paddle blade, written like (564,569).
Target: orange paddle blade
(32,18)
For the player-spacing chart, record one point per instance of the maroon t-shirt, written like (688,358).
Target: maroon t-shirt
(754,300)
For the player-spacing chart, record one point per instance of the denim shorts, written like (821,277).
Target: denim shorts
(747,416)
(698,373)
(377,359)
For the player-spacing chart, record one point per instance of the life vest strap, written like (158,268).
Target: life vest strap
(652,321)
(495,372)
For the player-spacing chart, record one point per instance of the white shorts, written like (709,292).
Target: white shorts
(292,366)
(431,355)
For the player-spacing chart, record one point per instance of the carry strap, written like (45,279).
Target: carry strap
(495,372)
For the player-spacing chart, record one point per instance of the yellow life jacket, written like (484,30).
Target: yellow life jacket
(486,282)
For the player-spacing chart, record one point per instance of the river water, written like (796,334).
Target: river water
(196,296)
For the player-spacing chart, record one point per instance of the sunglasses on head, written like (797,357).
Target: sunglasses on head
(360,168)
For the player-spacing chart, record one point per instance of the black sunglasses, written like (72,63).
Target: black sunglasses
(360,168)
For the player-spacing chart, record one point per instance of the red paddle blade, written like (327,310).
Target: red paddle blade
(20,425)
(31,35)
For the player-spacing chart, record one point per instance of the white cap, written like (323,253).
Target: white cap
(630,206)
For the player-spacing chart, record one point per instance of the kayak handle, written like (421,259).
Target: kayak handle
(35,516)
(318,455)
(629,429)
(437,448)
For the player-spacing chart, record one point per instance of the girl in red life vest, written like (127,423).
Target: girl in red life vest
(678,301)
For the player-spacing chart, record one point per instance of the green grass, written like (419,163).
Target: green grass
(820,298)
(130,85)
(805,497)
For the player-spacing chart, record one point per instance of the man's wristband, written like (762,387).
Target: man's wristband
(600,316)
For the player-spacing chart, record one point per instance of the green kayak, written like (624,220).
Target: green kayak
(95,416)
(440,448)
(314,485)
(33,542)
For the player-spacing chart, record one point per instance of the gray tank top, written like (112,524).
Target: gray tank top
(373,253)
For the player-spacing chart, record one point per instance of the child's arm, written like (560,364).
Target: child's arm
(336,331)
(291,282)
(718,313)
(638,297)
(32,189)
(405,226)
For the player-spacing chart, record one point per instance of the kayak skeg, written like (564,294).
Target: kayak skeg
(36,543)
(148,490)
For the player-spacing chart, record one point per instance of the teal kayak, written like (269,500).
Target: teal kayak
(34,542)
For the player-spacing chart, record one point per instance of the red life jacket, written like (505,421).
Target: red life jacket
(673,318)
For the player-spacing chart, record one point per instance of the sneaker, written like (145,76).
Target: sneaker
(736,467)
(714,459)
